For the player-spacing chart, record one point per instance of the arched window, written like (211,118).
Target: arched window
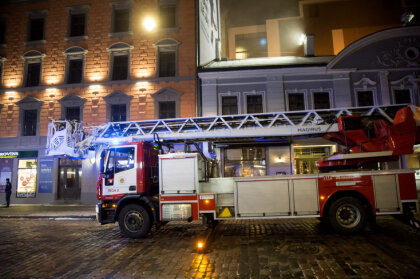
(167,58)
(33,66)
(75,61)
(119,61)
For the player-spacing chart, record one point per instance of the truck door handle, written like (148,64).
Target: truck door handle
(132,188)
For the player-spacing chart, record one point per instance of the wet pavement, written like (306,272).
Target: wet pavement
(296,248)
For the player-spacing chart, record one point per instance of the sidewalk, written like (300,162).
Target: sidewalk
(48,211)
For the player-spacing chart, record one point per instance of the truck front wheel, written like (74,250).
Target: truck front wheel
(347,215)
(134,221)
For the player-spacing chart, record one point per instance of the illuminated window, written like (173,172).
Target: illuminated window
(244,161)
(27,174)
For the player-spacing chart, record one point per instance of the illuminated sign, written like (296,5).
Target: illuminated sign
(18,154)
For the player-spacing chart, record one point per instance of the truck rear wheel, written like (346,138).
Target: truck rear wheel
(347,215)
(134,221)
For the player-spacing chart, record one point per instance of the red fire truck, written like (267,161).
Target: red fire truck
(139,186)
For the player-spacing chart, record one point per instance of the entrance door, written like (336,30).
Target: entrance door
(69,185)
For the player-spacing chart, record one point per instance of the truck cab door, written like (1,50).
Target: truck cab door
(120,171)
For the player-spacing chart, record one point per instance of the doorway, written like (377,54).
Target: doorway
(69,182)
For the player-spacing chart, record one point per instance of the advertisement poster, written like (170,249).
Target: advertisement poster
(26,187)
(46,175)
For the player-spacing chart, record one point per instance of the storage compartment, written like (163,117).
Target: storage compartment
(225,205)
(176,212)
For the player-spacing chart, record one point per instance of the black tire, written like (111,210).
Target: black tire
(134,221)
(347,215)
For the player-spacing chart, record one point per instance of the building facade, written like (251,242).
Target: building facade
(92,61)
(381,69)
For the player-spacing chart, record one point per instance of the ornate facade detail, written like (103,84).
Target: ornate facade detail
(364,83)
(407,81)
(407,54)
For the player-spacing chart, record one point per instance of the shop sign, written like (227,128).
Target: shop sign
(46,166)
(27,174)
(18,154)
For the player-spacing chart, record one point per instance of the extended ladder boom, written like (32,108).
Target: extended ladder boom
(72,139)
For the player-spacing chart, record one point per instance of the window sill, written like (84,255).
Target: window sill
(33,43)
(120,34)
(76,39)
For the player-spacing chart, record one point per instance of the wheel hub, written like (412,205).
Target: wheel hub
(348,215)
(133,221)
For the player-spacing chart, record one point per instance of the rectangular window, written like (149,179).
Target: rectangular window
(29,122)
(33,75)
(167,110)
(120,67)
(27,172)
(2,31)
(121,20)
(36,29)
(245,161)
(254,103)
(77,25)
(322,100)
(166,64)
(402,96)
(73,113)
(365,98)
(229,105)
(75,71)
(168,17)
(118,113)
(296,101)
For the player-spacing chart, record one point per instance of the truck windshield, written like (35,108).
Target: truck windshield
(120,159)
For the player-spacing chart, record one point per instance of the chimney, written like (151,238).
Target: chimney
(308,45)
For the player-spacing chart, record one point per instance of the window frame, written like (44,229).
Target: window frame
(166,95)
(31,16)
(254,93)
(32,57)
(29,103)
(125,5)
(169,4)
(322,90)
(2,59)
(371,89)
(72,100)
(119,49)
(166,45)
(74,53)
(229,94)
(3,20)
(117,98)
(77,10)
(297,91)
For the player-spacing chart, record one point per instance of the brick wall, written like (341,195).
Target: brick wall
(96,71)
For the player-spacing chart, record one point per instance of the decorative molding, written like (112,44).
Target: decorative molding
(408,80)
(407,54)
(364,82)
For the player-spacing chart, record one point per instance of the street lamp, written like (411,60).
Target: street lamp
(149,23)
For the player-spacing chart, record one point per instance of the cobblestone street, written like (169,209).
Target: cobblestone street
(42,248)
